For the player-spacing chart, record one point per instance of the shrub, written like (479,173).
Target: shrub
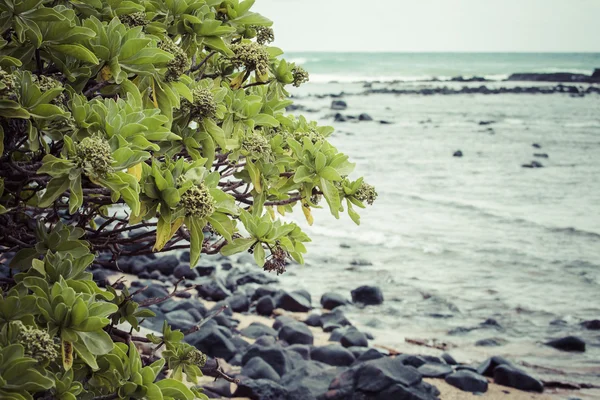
(135,127)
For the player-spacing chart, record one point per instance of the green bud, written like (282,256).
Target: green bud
(179,64)
(300,76)
(264,35)
(135,19)
(198,202)
(94,156)
(38,344)
(204,105)
(8,85)
(256,146)
(366,193)
(46,83)
(252,56)
(196,357)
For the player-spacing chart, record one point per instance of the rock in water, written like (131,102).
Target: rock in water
(293,302)
(507,375)
(457,153)
(468,381)
(569,343)
(368,295)
(354,337)
(533,164)
(593,325)
(365,117)
(338,105)
(536,146)
(329,301)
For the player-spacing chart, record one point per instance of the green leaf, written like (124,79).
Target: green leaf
(98,342)
(332,196)
(237,246)
(195,226)
(55,188)
(330,174)
(86,355)
(222,224)
(77,51)
(303,174)
(259,255)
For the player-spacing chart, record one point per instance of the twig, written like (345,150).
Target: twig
(205,320)
(204,60)
(96,87)
(157,300)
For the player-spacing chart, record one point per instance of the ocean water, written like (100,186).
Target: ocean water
(453,241)
(350,67)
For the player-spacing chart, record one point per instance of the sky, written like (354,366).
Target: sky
(435,25)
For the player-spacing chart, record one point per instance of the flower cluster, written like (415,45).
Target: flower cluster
(94,156)
(179,64)
(256,146)
(196,357)
(135,19)
(198,202)
(300,76)
(46,83)
(7,84)
(204,105)
(251,55)
(264,34)
(38,344)
(366,193)
(277,261)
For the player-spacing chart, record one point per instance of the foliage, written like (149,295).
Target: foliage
(135,127)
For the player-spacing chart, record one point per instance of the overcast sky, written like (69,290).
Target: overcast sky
(434,25)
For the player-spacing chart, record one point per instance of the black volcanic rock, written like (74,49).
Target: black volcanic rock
(506,375)
(468,381)
(332,354)
(367,295)
(569,343)
(457,153)
(338,105)
(550,77)
(329,301)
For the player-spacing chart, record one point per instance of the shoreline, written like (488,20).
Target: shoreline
(228,326)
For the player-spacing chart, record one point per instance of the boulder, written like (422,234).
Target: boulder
(335,317)
(153,290)
(457,153)
(507,375)
(313,319)
(187,305)
(536,146)
(302,349)
(432,370)
(100,276)
(336,334)
(354,337)
(274,355)
(185,271)
(487,367)
(265,305)
(213,289)
(377,375)
(257,368)
(533,164)
(329,301)
(262,291)
(309,381)
(596,75)
(332,354)
(491,342)
(260,389)
(340,118)
(238,303)
(594,324)
(296,333)
(338,105)
(468,381)
(569,343)
(448,359)
(181,319)
(256,330)
(368,295)
(370,354)
(237,277)
(304,293)
(541,155)
(211,341)
(293,302)
(220,388)
(205,270)
(283,320)
(365,117)
(165,265)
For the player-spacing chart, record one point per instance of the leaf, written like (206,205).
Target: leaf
(195,226)
(67,354)
(254,175)
(97,342)
(330,174)
(163,234)
(55,188)
(332,196)
(77,51)
(259,255)
(307,215)
(251,18)
(320,161)
(303,174)
(237,246)
(86,356)
(222,224)
(265,120)
(175,389)
(136,171)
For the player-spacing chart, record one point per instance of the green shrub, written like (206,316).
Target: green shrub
(135,127)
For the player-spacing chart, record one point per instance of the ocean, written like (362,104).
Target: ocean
(454,242)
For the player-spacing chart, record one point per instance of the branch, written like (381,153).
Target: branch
(96,87)
(257,84)
(197,67)
(157,300)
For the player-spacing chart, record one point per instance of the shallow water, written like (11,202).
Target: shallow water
(455,241)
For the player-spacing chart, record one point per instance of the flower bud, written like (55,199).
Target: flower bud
(366,193)
(252,56)
(264,35)
(7,85)
(204,105)
(94,156)
(300,76)
(198,202)
(196,357)
(179,64)
(38,344)
(135,19)
(256,146)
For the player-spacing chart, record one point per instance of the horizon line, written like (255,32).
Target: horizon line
(443,51)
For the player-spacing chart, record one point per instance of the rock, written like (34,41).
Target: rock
(185,271)
(313,319)
(332,354)
(305,294)
(365,117)
(335,317)
(274,355)
(339,118)
(293,302)
(486,122)
(506,375)
(457,153)
(239,343)
(219,387)
(181,319)
(152,291)
(329,301)
(368,295)
(492,342)
(594,324)
(533,164)
(302,349)
(237,277)
(310,381)
(354,337)
(213,289)
(536,145)
(265,341)
(238,303)
(296,333)
(183,295)
(384,122)
(165,265)
(336,334)
(412,360)
(370,354)
(550,77)
(260,389)
(377,375)
(212,342)
(596,75)
(487,367)
(435,370)
(265,305)
(338,105)
(205,270)
(540,155)
(256,330)
(283,320)
(449,359)
(257,368)
(262,291)
(569,343)
(468,381)
(101,277)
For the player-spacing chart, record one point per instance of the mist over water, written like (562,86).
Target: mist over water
(454,241)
